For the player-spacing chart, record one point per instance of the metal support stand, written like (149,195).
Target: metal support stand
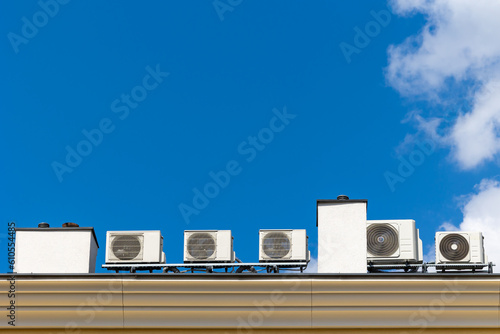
(406,267)
(276,267)
(443,267)
(474,267)
(269,267)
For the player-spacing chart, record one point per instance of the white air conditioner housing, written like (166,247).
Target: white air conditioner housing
(460,247)
(205,246)
(393,242)
(283,246)
(134,247)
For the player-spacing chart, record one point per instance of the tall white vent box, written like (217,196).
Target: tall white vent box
(57,250)
(341,235)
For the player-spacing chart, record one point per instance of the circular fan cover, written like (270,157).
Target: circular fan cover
(126,247)
(382,239)
(454,247)
(201,246)
(276,245)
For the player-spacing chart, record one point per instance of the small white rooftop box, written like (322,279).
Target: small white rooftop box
(57,250)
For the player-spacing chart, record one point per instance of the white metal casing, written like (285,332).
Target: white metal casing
(151,250)
(476,247)
(298,246)
(410,245)
(223,246)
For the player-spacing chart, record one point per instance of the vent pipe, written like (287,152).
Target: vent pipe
(70,225)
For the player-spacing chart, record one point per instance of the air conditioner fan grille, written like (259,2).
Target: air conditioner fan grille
(454,247)
(276,245)
(382,239)
(201,246)
(126,247)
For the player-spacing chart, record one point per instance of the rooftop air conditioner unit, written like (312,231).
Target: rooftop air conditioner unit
(459,247)
(208,246)
(283,245)
(393,242)
(134,247)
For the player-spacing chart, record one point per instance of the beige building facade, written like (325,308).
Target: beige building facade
(251,303)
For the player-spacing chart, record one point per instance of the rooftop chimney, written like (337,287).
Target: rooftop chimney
(56,250)
(341,235)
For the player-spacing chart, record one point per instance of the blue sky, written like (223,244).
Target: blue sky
(169,92)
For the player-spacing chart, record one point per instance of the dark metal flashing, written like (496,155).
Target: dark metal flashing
(336,201)
(65,229)
(341,201)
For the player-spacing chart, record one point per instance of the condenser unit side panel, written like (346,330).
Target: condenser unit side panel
(152,246)
(224,243)
(299,245)
(408,244)
(476,248)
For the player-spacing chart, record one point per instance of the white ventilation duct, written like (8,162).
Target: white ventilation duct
(341,235)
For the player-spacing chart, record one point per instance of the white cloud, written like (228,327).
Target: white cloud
(448,227)
(454,59)
(476,135)
(426,132)
(482,213)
